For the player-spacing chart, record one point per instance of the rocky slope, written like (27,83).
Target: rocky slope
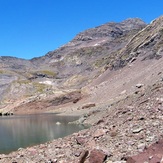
(70,67)
(112,76)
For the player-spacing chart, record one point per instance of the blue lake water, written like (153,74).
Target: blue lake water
(27,130)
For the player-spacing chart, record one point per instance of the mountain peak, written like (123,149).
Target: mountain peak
(110,29)
(134,21)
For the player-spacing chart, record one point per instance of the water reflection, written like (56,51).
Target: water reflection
(23,131)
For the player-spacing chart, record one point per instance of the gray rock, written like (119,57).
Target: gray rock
(139,85)
(141,147)
(137,130)
(58,123)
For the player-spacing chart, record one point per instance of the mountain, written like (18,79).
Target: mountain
(71,66)
(111,76)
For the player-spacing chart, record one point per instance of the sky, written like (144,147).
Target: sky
(31,28)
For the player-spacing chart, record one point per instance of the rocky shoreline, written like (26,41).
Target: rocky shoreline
(118,132)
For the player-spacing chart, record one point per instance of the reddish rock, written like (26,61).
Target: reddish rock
(81,140)
(153,154)
(131,160)
(83,156)
(113,133)
(76,100)
(97,156)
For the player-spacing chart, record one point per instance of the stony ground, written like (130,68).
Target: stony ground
(118,131)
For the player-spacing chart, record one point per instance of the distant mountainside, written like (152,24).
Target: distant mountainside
(70,66)
(74,65)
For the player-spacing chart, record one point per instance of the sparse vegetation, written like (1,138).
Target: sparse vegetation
(39,87)
(23,81)
(49,73)
(44,73)
(1,71)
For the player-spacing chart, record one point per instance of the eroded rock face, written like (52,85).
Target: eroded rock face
(147,43)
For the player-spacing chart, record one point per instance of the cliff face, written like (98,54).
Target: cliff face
(147,43)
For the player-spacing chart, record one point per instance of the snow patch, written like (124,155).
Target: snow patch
(56,60)
(96,44)
(99,43)
(48,82)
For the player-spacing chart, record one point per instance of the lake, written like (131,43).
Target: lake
(27,130)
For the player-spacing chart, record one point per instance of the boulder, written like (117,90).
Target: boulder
(99,133)
(81,140)
(97,156)
(88,105)
(83,156)
(139,85)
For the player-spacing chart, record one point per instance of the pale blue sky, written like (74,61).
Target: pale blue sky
(31,28)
